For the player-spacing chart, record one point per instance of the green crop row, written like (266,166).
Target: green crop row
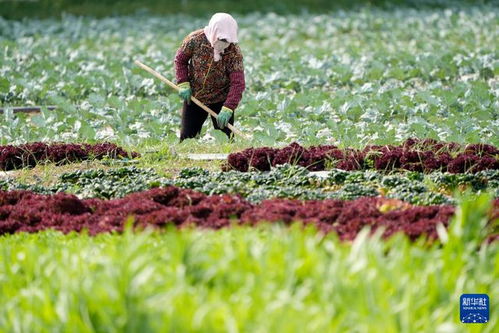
(281,182)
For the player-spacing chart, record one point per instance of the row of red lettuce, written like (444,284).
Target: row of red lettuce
(24,211)
(426,155)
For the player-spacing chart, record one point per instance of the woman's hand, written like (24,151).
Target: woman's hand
(185,91)
(224,117)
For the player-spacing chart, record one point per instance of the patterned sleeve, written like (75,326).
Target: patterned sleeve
(184,54)
(236,60)
(237,81)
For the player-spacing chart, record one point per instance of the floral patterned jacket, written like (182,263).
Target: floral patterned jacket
(211,81)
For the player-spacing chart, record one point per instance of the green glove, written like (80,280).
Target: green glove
(224,116)
(185,91)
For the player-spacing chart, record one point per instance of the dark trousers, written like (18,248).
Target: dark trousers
(193,118)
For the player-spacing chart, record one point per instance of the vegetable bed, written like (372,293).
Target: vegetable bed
(423,155)
(31,154)
(284,181)
(24,211)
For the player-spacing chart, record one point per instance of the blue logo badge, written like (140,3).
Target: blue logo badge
(474,308)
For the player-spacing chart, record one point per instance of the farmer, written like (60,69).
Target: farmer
(209,66)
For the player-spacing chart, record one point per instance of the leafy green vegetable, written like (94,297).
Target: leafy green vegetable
(284,181)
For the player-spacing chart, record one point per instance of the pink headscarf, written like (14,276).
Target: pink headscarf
(221,26)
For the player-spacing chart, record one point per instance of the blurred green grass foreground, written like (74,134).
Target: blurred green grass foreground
(243,279)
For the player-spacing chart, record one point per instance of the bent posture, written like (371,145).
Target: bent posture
(209,66)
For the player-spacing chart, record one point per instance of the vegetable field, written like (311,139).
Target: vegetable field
(364,199)
(353,78)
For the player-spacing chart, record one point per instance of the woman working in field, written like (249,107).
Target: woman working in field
(209,66)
